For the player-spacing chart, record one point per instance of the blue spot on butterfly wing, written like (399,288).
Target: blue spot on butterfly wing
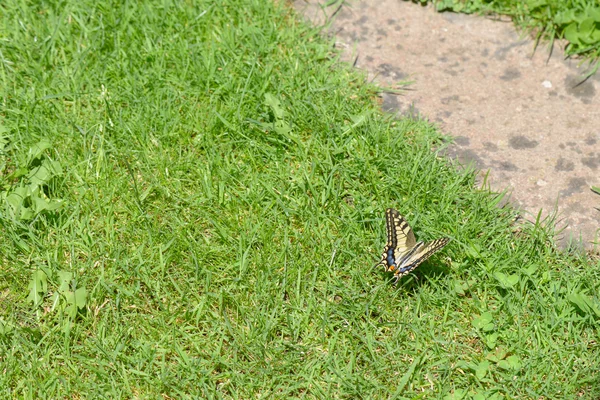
(390,257)
(405,269)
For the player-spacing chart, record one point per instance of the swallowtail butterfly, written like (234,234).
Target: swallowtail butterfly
(402,252)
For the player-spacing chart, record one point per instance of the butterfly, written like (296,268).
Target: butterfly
(402,252)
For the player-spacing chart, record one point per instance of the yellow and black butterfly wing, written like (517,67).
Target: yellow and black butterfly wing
(401,240)
(421,252)
(400,235)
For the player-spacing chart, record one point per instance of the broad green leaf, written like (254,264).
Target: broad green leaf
(53,205)
(482,369)
(466,365)
(499,354)
(510,363)
(491,396)
(460,287)
(507,281)
(491,340)
(19,172)
(565,17)
(585,304)
(586,29)
(38,285)
(484,322)
(572,34)
(533,4)
(39,176)
(529,271)
(282,128)
(71,308)
(42,174)
(594,13)
(75,301)
(26,213)
(37,149)
(81,297)
(17,196)
(474,251)
(64,279)
(42,204)
(457,395)
(5,327)
(275,105)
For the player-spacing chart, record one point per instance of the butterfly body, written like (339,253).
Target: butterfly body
(403,253)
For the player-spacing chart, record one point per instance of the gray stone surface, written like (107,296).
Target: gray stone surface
(516,113)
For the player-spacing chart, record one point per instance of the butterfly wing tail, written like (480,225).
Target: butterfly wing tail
(381,262)
(420,253)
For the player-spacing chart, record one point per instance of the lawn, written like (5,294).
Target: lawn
(193,200)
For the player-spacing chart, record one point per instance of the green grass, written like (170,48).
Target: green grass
(192,202)
(576,21)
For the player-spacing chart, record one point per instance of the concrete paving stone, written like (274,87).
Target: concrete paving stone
(515,112)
